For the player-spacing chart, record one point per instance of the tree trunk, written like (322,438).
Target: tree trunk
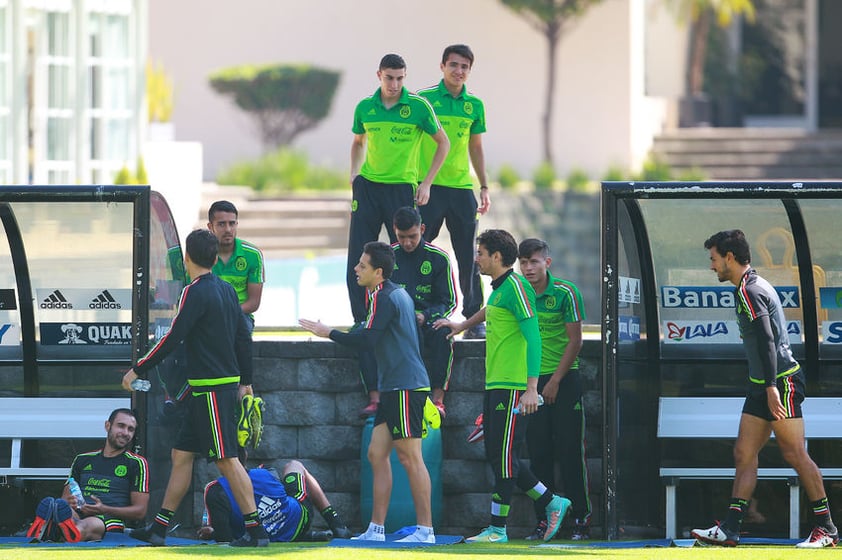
(552,34)
(698,51)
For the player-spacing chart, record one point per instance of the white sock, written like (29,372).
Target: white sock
(375,528)
(425,531)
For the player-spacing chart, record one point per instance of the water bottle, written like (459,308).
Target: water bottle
(205,517)
(517,409)
(76,492)
(141,385)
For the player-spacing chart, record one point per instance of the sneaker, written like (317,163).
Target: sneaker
(537,534)
(717,535)
(478,434)
(146,534)
(341,532)
(490,534)
(477,332)
(556,512)
(820,538)
(249,540)
(43,518)
(419,536)
(371,534)
(369,410)
(581,531)
(63,518)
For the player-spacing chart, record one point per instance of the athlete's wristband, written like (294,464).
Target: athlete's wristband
(483,187)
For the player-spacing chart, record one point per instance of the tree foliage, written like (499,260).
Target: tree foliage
(700,15)
(551,18)
(285,100)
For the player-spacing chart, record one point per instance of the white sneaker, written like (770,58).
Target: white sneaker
(373,533)
(819,538)
(716,535)
(420,536)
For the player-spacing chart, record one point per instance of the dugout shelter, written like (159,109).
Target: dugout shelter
(669,330)
(89,278)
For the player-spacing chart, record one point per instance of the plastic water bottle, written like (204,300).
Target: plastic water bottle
(76,492)
(517,409)
(205,517)
(141,385)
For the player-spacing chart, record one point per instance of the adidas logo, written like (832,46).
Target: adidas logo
(437,103)
(88,468)
(500,406)
(104,301)
(56,300)
(395,430)
(372,112)
(578,406)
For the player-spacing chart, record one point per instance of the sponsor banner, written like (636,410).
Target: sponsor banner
(101,334)
(714,297)
(716,332)
(8,300)
(80,299)
(9,334)
(629,326)
(830,298)
(832,332)
(629,290)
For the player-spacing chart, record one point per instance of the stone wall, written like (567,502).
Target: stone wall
(313,393)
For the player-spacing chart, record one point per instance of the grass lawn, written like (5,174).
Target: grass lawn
(477,551)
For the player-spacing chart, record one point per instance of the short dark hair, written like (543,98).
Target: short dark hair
(381,256)
(203,247)
(730,240)
(498,240)
(406,217)
(221,206)
(393,61)
(117,411)
(461,50)
(529,247)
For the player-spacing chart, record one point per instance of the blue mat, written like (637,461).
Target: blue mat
(391,540)
(110,540)
(664,543)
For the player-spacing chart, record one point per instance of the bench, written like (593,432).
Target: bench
(51,418)
(719,418)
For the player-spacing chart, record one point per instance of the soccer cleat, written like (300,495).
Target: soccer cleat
(537,534)
(717,535)
(43,518)
(478,434)
(369,410)
(556,512)
(250,426)
(63,518)
(581,531)
(247,540)
(432,414)
(419,536)
(146,534)
(490,534)
(371,534)
(819,538)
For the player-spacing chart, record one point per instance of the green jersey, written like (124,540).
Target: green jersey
(393,136)
(244,267)
(561,303)
(512,338)
(460,117)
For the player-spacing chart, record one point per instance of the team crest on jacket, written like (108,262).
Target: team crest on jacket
(240,264)
(426,267)
(405,112)
(550,302)
(468,107)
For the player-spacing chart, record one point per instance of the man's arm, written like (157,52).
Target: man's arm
(769,363)
(422,197)
(136,511)
(530,331)
(574,346)
(456,328)
(477,155)
(254,292)
(357,154)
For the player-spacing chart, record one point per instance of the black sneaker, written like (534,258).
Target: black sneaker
(260,539)
(539,531)
(341,532)
(146,534)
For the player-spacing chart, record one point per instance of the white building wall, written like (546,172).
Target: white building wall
(593,124)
